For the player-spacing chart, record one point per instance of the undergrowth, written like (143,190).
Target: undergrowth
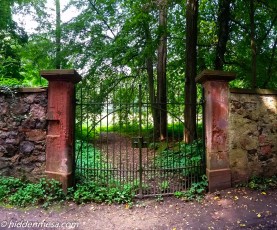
(45,192)
(14,191)
(187,157)
(195,192)
(262,183)
(91,191)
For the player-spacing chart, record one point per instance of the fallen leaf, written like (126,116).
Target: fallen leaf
(268,212)
(259,215)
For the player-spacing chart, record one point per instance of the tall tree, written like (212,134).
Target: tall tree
(149,54)
(191,66)
(223,24)
(253,44)
(242,55)
(58,35)
(161,68)
(11,39)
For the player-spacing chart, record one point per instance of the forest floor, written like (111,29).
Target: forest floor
(236,208)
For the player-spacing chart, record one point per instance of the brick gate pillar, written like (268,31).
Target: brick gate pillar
(60,117)
(216,93)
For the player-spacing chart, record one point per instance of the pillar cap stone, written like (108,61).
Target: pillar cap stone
(69,75)
(215,75)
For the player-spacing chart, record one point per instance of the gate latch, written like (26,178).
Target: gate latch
(139,142)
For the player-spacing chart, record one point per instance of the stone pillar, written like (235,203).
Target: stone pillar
(216,91)
(60,117)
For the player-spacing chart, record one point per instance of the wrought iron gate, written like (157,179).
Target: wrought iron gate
(117,143)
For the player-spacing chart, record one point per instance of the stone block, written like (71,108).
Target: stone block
(35,135)
(30,99)
(37,111)
(26,147)
(219,179)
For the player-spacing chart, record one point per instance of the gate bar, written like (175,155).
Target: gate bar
(140,144)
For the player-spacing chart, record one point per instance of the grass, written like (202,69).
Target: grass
(174,130)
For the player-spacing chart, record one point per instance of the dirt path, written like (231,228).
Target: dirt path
(119,150)
(231,209)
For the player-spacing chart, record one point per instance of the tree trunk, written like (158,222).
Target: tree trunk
(154,109)
(150,75)
(253,44)
(223,21)
(161,70)
(271,64)
(58,35)
(191,64)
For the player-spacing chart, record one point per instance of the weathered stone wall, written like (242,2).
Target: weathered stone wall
(252,133)
(23,132)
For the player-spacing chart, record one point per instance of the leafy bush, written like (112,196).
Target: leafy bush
(31,194)
(16,192)
(9,185)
